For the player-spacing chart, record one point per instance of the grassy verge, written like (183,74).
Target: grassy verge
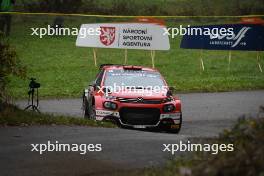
(247,158)
(64,70)
(13,116)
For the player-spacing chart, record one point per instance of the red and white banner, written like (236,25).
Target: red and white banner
(146,36)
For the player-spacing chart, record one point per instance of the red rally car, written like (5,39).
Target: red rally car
(132,96)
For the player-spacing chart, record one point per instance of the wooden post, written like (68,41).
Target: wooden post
(125,56)
(201,61)
(94,56)
(258,61)
(152,54)
(229,59)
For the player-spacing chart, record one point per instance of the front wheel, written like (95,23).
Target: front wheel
(85,108)
(89,110)
(92,112)
(176,130)
(173,128)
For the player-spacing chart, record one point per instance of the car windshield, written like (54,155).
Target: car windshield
(133,78)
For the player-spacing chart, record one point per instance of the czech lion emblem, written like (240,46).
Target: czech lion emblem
(107,36)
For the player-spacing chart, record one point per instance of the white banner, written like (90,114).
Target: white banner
(146,36)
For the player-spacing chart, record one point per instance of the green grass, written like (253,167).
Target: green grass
(64,70)
(13,116)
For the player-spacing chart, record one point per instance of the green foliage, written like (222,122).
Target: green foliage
(248,157)
(63,6)
(10,65)
(146,7)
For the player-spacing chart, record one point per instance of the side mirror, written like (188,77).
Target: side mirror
(93,85)
(171,91)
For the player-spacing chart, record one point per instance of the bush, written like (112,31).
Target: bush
(145,7)
(62,6)
(10,65)
(247,158)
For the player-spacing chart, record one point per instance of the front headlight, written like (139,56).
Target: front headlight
(110,105)
(168,108)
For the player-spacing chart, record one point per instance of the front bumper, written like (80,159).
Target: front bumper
(173,118)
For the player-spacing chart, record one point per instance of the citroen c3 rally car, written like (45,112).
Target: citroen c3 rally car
(132,96)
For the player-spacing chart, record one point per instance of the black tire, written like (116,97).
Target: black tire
(85,108)
(175,131)
(92,112)
(89,109)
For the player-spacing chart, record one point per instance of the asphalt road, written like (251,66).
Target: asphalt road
(204,115)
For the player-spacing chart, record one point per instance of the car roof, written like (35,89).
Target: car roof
(126,67)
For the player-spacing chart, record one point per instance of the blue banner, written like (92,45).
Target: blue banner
(248,37)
